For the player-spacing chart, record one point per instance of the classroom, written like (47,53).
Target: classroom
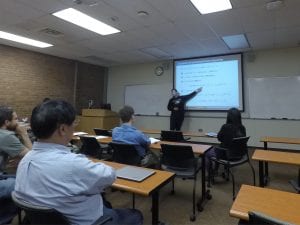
(152,35)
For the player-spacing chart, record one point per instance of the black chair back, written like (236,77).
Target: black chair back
(91,147)
(238,148)
(262,219)
(40,214)
(125,153)
(177,156)
(103,132)
(169,135)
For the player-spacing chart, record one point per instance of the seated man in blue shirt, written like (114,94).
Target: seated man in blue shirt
(51,175)
(128,134)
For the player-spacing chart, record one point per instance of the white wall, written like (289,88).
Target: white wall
(279,62)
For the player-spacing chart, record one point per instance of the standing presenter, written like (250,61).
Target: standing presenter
(177,107)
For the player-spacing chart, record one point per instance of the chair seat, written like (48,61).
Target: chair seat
(180,172)
(232,163)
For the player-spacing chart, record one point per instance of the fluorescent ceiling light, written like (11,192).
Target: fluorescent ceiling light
(210,6)
(80,19)
(236,41)
(23,40)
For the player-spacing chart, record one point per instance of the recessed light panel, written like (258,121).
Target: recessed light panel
(210,6)
(23,40)
(80,19)
(236,41)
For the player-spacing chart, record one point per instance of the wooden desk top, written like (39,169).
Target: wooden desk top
(146,187)
(197,148)
(282,140)
(276,156)
(278,204)
(184,133)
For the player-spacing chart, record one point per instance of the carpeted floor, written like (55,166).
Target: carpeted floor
(176,209)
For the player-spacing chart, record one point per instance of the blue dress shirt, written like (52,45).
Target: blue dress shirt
(52,176)
(128,134)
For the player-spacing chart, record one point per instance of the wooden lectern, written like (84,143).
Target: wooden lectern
(97,118)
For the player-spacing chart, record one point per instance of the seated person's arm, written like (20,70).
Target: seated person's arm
(27,145)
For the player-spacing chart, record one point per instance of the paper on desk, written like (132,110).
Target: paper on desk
(153,140)
(79,133)
(96,136)
(101,137)
(211,134)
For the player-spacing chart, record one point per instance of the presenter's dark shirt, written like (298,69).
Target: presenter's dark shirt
(179,102)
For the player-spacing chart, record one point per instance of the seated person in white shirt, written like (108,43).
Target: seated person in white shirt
(128,134)
(51,175)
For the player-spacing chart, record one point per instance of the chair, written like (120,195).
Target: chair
(236,154)
(36,214)
(180,160)
(103,132)
(170,135)
(125,153)
(262,219)
(91,147)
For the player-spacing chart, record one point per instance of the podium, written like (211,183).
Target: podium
(97,118)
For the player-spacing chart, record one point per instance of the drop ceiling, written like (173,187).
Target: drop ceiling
(172,29)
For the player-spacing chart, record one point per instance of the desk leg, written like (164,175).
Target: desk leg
(205,193)
(266,171)
(261,174)
(296,183)
(155,208)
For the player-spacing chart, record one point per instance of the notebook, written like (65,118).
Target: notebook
(79,133)
(153,140)
(134,173)
(211,134)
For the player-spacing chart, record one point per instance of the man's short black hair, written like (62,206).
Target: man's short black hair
(48,116)
(126,113)
(6,113)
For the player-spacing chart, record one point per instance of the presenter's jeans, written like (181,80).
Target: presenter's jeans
(176,122)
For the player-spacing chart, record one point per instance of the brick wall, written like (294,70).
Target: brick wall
(28,77)
(91,84)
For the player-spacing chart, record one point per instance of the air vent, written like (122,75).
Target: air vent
(51,32)
(99,59)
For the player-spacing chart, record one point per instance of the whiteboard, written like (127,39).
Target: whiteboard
(276,97)
(148,99)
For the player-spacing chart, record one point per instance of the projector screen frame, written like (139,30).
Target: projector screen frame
(242,94)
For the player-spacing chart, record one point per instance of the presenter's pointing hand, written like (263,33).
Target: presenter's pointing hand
(199,90)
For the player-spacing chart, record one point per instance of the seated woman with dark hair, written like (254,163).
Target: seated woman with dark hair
(233,128)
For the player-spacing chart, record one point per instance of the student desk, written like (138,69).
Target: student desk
(279,140)
(184,133)
(277,204)
(274,157)
(147,187)
(199,150)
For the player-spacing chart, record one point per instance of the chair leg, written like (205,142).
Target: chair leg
(173,187)
(233,183)
(253,172)
(19,216)
(133,200)
(193,216)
